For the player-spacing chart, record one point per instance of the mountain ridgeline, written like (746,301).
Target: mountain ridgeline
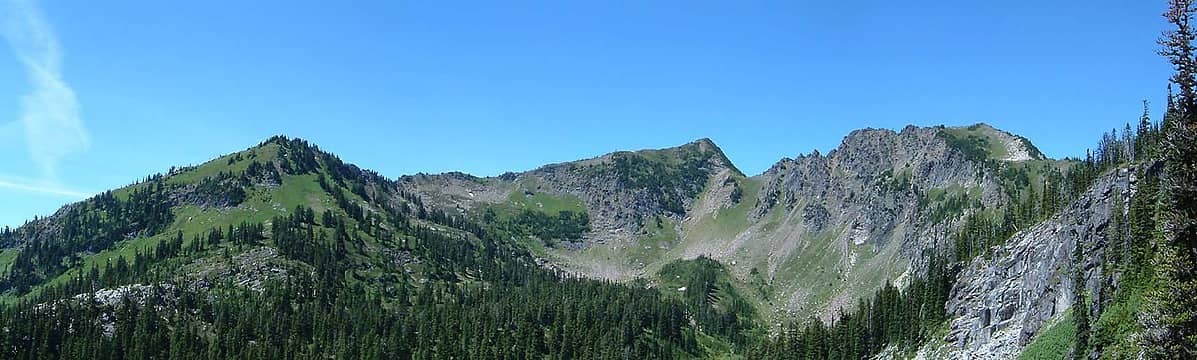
(936,241)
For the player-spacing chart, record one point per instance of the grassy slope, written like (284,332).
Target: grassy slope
(1053,342)
(658,241)
(675,275)
(707,234)
(981,140)
(815,271)
(812,276)
(815,275)
(526,197)
(6,258)
(730,221)
(221,164)
(975,138)
(1118,326)
(1117,331)
(261,205)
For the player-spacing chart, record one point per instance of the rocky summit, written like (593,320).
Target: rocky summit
(968,233)
(818,231)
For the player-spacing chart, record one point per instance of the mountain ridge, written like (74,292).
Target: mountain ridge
(808,237)
(730,202)
(705,148)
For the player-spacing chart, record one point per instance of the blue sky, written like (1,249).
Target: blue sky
(97,94)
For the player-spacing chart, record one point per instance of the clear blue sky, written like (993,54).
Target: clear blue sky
(97,94)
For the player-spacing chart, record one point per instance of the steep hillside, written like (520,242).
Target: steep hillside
(811,234)
(828,229)
(284,251)
(681,229)
(620,193)
(1002,301)
(230,194)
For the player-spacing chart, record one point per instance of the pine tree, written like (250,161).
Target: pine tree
(1080,308)
(1171,320)
(1143,139)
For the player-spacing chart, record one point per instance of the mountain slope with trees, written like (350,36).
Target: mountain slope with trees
(300,255)
(348,263)
(933,242)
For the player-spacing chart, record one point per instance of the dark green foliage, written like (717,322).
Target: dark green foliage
(378,276)
(565,225)
(1030,204)
(710,297)
(225,189)
(902,318)
(89,226)
(948,207)
(1080,307)
(267,172)
(973,146)
(1172,314)
(1134,254)
(1146,144)
(1142,218)
(637,172)
(670,176)
(981,231)
(737,192)
(522,311)
(566,318)
(1035,153)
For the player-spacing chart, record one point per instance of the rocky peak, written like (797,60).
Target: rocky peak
(706,144)
(718,158)
(871,197)
(918,156)
(620,189)
(861,211)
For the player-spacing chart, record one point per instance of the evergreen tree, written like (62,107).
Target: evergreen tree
(1143,138)
(1172,318)
(1080,307)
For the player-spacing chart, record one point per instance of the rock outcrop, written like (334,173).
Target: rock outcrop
(619,190)
(822,229)
(1000,302)
(872,182)
(860,214)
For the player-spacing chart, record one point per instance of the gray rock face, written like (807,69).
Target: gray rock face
(864,209)
(209,193)
(139,294)
(617,201)
(40,229)
(872,183)
(616,196)
(824,229)
(250,269)
(999,304)
(815,217)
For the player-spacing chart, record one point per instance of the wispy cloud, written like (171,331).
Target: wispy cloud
(49,111)
(41,187)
